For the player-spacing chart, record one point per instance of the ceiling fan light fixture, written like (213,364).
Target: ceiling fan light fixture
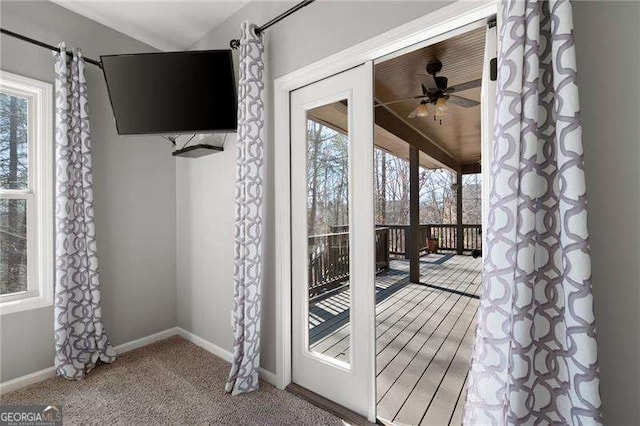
(441,107)
(422,110)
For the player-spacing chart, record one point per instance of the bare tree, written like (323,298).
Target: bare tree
(313,145)
(13,175)
(472,199)
(328,187)
(327,178)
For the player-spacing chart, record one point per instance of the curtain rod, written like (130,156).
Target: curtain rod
(45,45)
(235,43)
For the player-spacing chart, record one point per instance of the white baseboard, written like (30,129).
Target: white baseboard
(146,340)
(265,375)
(205,344)
(29,379)
(38,376)
(269,377)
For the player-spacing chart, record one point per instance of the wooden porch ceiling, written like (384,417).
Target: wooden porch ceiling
(462,60)
(454,144)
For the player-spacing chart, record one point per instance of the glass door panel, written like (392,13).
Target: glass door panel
(328,231)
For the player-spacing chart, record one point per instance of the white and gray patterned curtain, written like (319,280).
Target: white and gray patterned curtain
(80,338)
(247,279)
(535,359)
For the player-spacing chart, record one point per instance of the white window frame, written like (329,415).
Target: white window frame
(38,196)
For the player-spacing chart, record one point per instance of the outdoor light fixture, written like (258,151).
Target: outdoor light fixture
(441,107)
(439,94)
(422,110)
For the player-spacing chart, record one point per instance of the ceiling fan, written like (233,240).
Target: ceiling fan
(438,94)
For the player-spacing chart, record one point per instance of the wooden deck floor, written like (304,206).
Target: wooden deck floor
(424,337)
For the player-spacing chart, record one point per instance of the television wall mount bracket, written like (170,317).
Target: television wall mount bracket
(197,150)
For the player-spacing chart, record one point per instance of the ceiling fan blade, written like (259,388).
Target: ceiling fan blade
(465,86)
(462,102)
(402,100)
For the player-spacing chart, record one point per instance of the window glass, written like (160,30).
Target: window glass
(13,245)
(14,176)
(14,134)
(328,233)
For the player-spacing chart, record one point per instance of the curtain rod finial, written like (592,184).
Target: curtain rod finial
(234,44)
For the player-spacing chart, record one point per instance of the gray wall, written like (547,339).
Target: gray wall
(134,196)
(205,186)
(608,55)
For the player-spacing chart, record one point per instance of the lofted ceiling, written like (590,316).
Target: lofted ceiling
(165,25)
(462,61)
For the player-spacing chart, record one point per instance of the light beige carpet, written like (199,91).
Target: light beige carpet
(171,381)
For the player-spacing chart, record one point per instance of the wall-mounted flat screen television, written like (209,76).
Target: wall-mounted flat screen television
(173,92)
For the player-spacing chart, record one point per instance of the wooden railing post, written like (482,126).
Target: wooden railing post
(414,215)
(384,248)
(459,230)
(406,237)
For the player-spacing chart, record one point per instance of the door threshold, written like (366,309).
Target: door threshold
(328,405)
(385,422)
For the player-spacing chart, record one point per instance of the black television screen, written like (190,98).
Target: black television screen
(174,92)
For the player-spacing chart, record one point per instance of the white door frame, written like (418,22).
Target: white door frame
(441,21)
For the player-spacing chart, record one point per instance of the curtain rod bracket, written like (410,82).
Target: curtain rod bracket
(235,43)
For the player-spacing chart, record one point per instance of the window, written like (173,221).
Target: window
(26,193)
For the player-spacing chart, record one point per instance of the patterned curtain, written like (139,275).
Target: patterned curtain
(80,337)
(535,359)
(248,223)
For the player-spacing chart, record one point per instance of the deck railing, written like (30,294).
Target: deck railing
(329,259)
(447,236)
(399,235)
(329,253)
